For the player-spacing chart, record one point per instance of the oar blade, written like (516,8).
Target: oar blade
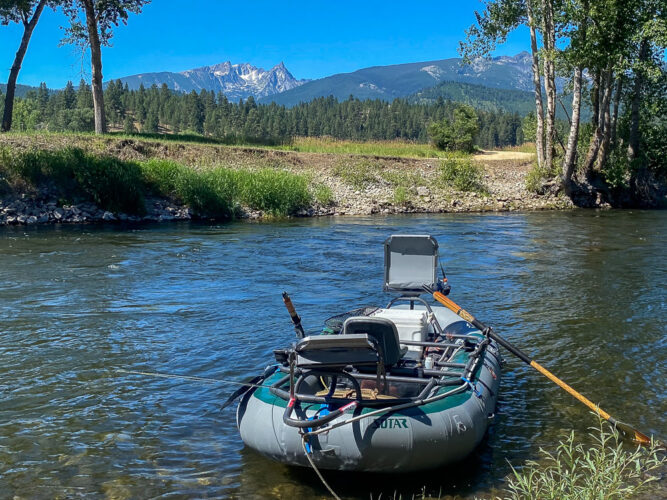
(631,433)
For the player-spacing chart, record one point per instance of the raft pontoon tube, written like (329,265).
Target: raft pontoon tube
(401,388)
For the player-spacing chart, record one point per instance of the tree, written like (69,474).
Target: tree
(458,133)
(101,16)
(26,12)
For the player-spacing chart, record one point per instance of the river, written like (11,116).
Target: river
(584,292)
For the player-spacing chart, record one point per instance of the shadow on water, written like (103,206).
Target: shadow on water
(582,292)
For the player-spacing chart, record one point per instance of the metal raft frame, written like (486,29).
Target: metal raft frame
(346,361)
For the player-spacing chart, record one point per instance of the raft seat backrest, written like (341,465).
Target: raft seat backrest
(382,330)
(336,351)
(410,263)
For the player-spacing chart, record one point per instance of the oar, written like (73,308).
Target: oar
(624,428)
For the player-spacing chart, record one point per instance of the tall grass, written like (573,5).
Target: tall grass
(112,184)
(398,148)
(120,186)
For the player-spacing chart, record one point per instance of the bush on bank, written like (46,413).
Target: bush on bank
(120,186)
(605,470)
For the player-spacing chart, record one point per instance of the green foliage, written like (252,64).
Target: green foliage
(274,191)
(401,195)
(120,186)
(576,472)
(457,133)
(615,170)
(111,183)
(463,173)
(323,194)
(128,125)
(397,128)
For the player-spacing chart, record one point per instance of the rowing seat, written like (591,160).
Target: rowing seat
(337,351)
(382,330)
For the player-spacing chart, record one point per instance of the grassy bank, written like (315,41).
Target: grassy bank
(73,175)
(117,172)
(397,148)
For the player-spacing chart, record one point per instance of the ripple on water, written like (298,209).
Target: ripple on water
(584,294)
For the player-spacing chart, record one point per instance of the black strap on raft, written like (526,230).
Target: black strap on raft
(295,317)
(250,384)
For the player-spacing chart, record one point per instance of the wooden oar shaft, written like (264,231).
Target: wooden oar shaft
(452,306)
(570,390)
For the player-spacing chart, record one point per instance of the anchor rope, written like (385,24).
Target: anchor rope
(191,378)
(317,471)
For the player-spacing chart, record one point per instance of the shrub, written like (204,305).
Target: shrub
(458,133)
(323,194)
(401,196)
(463,173)
(605,470)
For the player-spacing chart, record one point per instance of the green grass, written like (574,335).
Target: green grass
(461,172)
(111,183)
(120,186)
(401,195)
(606,470)
(323,194)
(358,173)
(397,148)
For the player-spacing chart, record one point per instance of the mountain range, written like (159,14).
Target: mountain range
(400,80)
(236,81)
(503,82)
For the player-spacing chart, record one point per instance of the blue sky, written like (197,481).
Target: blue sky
(314,39)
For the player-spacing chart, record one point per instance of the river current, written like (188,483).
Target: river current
(583,292)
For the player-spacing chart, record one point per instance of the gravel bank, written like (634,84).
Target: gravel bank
(357,185)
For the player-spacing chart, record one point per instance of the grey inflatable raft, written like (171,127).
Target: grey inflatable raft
(402,388)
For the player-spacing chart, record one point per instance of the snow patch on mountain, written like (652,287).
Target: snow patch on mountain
(236,81)
(434,71)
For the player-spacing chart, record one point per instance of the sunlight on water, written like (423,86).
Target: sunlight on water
(582,291)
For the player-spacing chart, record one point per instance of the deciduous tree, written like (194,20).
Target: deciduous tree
(27,13)
(101,16)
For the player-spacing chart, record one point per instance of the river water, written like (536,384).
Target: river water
(584,292)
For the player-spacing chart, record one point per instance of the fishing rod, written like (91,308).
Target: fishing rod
(300,333)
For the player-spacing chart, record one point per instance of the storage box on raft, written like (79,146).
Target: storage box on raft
(412,324)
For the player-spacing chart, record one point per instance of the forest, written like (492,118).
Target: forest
(161,110)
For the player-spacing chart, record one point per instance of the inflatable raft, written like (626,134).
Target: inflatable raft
(400,388)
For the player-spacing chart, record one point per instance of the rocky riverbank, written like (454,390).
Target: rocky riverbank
(352,184)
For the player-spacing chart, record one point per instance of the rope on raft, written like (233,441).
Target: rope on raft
(195,379)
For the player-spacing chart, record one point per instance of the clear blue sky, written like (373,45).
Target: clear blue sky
(314,39)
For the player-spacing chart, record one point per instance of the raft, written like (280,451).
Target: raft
(400,388)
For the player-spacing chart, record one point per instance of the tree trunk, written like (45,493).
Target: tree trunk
(539,110)
(573,138)
(549,37)
(96,62)
(595,99)
(606,124)
(634,137)
(617,101)
(16,67)
(603,101)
